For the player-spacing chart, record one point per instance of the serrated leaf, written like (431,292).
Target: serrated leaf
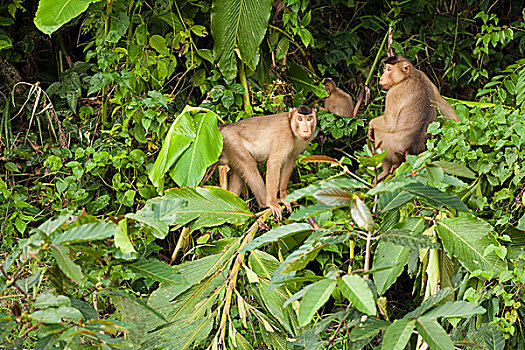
(157,270)
(68,267)
(459,309)
(433,334)
(356,290)
(436,197)
(429,303)
(392,200)
(398,334)
(333,196)
(405,238)
(275,234)
(361,214)
(313,299)
(455,169)
(466,238)
(388,254)
(93,231)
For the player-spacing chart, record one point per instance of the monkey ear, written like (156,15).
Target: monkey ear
(290,113)
(407,67)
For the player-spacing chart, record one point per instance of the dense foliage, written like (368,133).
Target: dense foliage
(110,238)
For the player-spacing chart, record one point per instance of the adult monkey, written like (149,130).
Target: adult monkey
(410,106)
(277,139)
(338,101)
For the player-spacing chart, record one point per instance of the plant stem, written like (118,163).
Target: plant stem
(244,83)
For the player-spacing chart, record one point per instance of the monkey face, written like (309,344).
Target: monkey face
(394,74)
(303,125)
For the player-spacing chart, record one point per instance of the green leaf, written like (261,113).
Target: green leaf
(398,334)
(68,267)
(157,270)
(55,315)
(406,238)
(159,44)
(388,254)
(455,169)
(356,290)
(208,206)
(433,334)
(436,197)
(466,238)
(93,231)
(429,303)
(361,214)
(52,14)
(275,234)
(205,149)
(47,299)
(333,196)
(178,139)
(369,328)
(122,240)
(50,226)
(391,200)
(459,309)
(240,24)
(313,299)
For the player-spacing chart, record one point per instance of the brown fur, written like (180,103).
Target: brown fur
(339,102)
(410,106)
(277,139)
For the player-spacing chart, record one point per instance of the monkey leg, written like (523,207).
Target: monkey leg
(273,172)
(245,167)
(235,183)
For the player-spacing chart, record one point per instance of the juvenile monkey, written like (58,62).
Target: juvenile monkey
(338,102)
(277,139)
(410,106)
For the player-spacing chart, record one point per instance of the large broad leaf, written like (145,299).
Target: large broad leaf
(205,149)
(356,290)
(398,334)
(52,14)
(158,270)
(391,200)
(429,303)
(460,309)
(388,254)
(466,238)
(434,334)
(240,24)
(276,234)
(313,299)
(178,139)
(88,232)
(68,267)
(436,197)
(455,169)
(208,206)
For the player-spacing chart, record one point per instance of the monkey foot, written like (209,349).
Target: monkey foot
(277,211)
(286,204)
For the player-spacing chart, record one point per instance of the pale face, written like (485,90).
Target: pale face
(303,126)
(394,74)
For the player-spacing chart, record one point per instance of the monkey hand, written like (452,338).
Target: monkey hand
(370,130)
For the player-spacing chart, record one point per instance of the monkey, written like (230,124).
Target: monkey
(277,139)
(410,106)
(338,102)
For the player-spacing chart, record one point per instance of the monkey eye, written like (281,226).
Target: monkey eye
(299,119)
(309,118)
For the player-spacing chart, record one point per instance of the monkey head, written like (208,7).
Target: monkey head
(303,121)
(329,85)
(395,70)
